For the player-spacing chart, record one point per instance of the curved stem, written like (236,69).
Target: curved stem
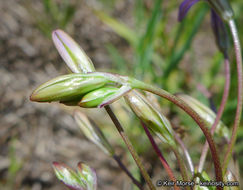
(239,98)
(187,155)
(160,155)
(219,114)
(177,101)
(124,168)
(130,147)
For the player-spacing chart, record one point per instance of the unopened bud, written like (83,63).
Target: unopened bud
(158,123)
(68,87)
(96,97)
(68,176)
(72,53)
(93,133)
(223,8)
(88,175)
(220,33)
(206,113)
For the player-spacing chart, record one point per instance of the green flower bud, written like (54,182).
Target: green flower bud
(96,97)
(88,175)
(223,8)
(206,113)
(84,179)
(93,133)
(68,176)
(158,123)
(74,56)
(68,88)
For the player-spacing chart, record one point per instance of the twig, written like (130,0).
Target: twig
(130,147)
(160,155)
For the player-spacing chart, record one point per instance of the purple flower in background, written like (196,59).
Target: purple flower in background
(221,7)
(220,10)
(185,7)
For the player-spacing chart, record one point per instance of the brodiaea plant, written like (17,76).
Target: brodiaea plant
(90,89)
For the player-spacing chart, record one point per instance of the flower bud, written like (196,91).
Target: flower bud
(223,8)
(220,33)
(150,116)
(72,53)
(88,175)
(206,113)
(93,133)
(68,87)
(96,97)
(68,176)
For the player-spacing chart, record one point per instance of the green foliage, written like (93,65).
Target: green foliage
(55,15)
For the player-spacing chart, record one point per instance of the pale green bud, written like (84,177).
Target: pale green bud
(74,56)
(93,133)
(88,175)
(68,88)
(206,113)
(68,176)
(95,98)
(156,122)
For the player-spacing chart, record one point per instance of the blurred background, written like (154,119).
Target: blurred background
(140,38)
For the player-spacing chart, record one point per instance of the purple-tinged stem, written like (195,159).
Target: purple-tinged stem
(124,168)
(219,114)
(237,46)
(160,155)
(186,153)
(180,103)
(130,147)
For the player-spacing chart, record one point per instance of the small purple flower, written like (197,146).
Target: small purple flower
(220,10)
(221,7)
(220,32)
(185,7)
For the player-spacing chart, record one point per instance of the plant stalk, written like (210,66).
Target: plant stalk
(181,165)
(160,155)
(130,148)
(186,153)
(124,168)
(237,47)
(219,114)
(177,101)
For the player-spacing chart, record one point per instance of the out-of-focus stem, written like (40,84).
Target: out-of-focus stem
(219,114)
(187,155)
(181,165)
(237,46)
(130,147)
(180,103)
(124,168)
(160,155)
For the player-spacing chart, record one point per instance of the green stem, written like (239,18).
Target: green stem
(177,101)
(239,98)
(130,147)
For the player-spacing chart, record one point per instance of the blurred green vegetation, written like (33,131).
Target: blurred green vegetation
(159,44)
(158,51)
(55,14)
